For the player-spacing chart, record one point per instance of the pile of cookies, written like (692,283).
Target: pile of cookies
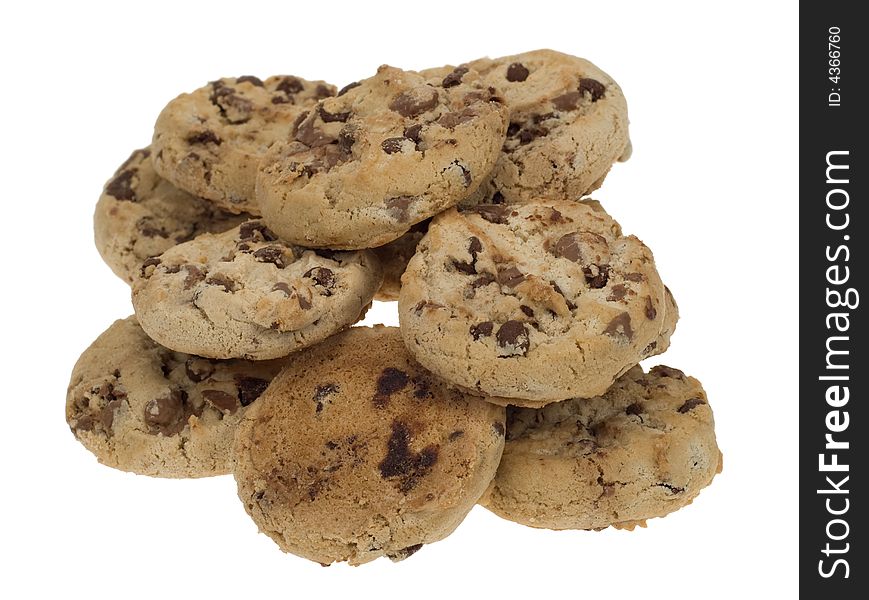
(265,217)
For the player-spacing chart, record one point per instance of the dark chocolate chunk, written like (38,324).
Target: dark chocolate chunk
(249,388)
(198,369)
(568,101)
(121,187)
(593,87)
(328,117)
(620,326)
(494,213)
(401,462)
(690,405)
(167,415)
(391,381)
(513,335)
(348,87)
(290,85)
(255,230)
(510,277)
(414,102)
(455,77)
(483,329)
(322,277)
(398,207)
(227,283)
(392,145)
(651,313)
(271,254)
(322,393)
(250,79)
(517,72)
(221,400)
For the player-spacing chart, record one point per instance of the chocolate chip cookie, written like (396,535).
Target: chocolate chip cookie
(568,125)
(208,142)
(394,257)
(356,452)
(644,449)
(361,168)
(140,407)
(245,294)
(140,215)
(533,303)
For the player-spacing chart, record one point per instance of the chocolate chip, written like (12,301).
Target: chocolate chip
(618,292)
(567,247)
(227,283)
(255,230)
(482,280)
(568,101)
(222,401)
(290,85)
(620,326)
(451,120)
(107,414)
(517,72)
(306,132)
(153,261)
(414,102)
(271,254)
(391,380)
(455,77)
(167,415)
(651,313)
(526,310)
(466,173)
(464,267)
(405,552)
(513,336)
(596,276)
(662,371)
(84,423)
(250,79)
(634,409)
(283,287)
(635,277)
(348,87)
(510,277)
(497,198)
(249,388)
(595,88)
(690,405)
(194,276)
(413,133)
(328,117)
(398,207)
(198,369)
(232,107)
(483,329)
(323,91)
(304,303)
(121,187)
(346,139)
(392,145)
(494,213)
(322,277)
(456,435)
(498,428)
(404,464)
(147,228)
(322,393)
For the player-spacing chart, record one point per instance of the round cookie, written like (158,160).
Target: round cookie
(532,303)
(644,449)
(568,125)
(356,452)
(394,257)
(140,215)
(361,168)
(140,407)
(208,142)
(245,294)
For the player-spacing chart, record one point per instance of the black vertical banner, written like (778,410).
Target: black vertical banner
(834,370)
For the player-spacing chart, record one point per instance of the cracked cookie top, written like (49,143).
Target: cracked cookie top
(140,215)
(643,449)
(143,408)
(568,125)
(209,142)
(357,452)
(358,170)
(533,303)
(246,294)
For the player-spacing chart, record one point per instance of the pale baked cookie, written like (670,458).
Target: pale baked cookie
(140,407)
(357,452)
(644,449)
(361,168)
(140,215)
(246,294)
(394,257)
(208,142)
(568,125)
(532,303)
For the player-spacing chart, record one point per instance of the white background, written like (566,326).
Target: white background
(711,188)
